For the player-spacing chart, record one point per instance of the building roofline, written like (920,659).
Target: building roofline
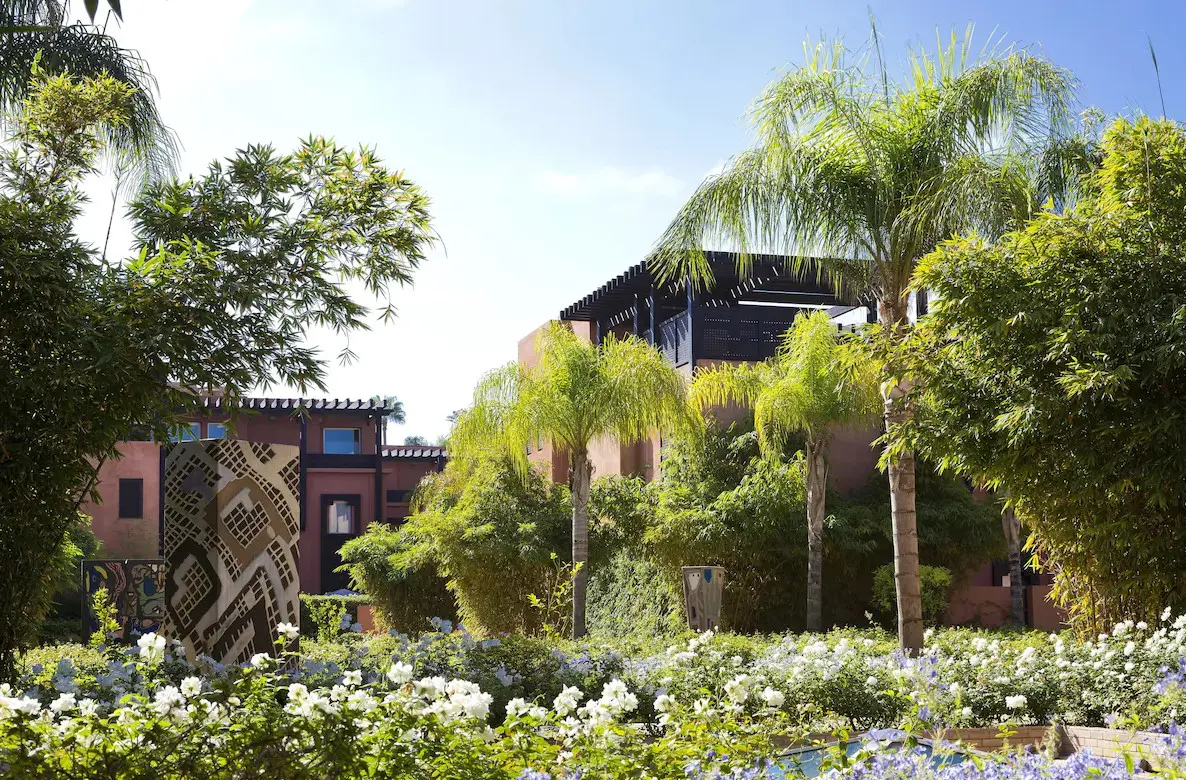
(413,452)
(207,402)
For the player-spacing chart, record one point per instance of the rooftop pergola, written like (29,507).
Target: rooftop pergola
(736,317)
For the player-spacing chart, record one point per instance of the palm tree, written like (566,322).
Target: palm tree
(576,394)
(807,388)
(872,174)
(39,31)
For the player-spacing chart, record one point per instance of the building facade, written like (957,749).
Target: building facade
(741,318)
(736,319)
(350,477)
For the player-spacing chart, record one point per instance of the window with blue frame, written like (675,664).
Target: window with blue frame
(340,441)
(215,431)
(186,432)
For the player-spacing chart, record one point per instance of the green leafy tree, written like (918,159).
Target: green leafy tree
(490,531)
(39,34)
(871,173)
(576,394)
(1051,369)
(718,502)
(233,270)
(415,441)
(808,389)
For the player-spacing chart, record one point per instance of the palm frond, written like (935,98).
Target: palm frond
(143,147)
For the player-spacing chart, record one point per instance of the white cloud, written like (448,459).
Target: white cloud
(607,181)
(715,170)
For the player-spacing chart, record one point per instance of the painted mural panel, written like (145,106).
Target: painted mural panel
(137,587)
(232,524)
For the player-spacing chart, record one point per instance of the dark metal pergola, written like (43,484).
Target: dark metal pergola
(736,317)
(769,281)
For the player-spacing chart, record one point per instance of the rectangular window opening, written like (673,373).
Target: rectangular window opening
(215,431)
(340,517)
(341,441)
(186,432)
(131,499)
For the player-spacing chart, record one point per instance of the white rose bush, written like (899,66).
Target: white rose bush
(446,704)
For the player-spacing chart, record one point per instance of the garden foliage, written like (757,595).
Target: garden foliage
(445,704)
(232,270)
(936,587)
(1051,369)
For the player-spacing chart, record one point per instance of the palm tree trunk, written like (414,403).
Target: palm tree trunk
(582,473)
(902,499)
(1012,530)
(817,485)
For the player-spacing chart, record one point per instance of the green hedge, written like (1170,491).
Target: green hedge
(936,589)
(630,596)
(313,604)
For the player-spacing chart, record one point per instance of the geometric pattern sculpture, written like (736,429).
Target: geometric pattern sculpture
(232,524)
(703,588)
(136,587)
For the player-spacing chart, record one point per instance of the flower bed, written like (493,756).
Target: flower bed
(448,704)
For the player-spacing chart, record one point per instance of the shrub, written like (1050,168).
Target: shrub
(403,598)
(936,588)
(490,533)
(631,596)
(718,503)
(327,616)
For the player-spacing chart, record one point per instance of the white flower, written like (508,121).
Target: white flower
(871,681)
(517,707)
(1165,614)
(567,701)
(737,689)
(152,647)
(773,698)
(966,712)
(88,707)
(664,703)
(63,703)
(1017,702)
(353,678)
(399,673)
(191,686)
(1142,626)
(259,659)
(954,689)
(288,631)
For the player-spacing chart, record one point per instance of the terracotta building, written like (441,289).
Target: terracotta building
(349,477)
(737,319)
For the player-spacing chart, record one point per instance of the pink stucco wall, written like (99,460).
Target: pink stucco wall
(139,537)
(128,537)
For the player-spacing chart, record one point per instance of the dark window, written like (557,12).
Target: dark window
(396,522)
(397,496)
(340,441)
(131,498)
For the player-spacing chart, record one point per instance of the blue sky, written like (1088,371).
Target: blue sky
(556,137)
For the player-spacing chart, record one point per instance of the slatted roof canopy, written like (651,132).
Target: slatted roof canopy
(413,452)
(770,280)
(219,402)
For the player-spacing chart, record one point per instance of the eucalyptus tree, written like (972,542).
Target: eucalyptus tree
(871,173)
(808,389)
(575,394)
(41,34)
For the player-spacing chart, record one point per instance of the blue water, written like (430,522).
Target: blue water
(806,761)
